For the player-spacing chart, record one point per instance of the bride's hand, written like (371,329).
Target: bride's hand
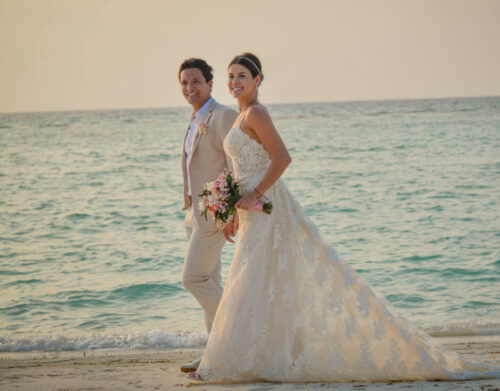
(229,231)
(247,202)
(236,222)
(231,228)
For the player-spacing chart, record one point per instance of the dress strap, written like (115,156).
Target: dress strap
(242,119)
(245,113)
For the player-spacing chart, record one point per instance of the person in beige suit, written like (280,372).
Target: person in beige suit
(203,159)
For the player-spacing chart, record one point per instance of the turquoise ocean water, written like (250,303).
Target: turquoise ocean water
(92,237)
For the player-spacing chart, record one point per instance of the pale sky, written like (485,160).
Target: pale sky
(103,54)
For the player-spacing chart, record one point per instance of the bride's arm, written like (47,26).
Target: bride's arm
(260,124)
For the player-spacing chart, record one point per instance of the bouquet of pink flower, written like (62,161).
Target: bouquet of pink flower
(220,196)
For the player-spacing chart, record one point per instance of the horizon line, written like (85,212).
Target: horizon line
(268,104)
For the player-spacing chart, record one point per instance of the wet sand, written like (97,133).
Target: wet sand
(159,370)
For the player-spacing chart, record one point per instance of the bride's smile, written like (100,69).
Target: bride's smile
(241,83)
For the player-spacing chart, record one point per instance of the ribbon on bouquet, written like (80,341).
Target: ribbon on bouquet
(261,206)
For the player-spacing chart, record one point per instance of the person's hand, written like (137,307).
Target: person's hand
(229,231)
(236,222)
(247,202)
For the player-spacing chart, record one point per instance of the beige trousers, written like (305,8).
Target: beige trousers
(202,266)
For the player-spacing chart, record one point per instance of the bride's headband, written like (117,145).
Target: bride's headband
(250,61)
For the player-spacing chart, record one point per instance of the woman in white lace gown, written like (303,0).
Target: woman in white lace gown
(292,309)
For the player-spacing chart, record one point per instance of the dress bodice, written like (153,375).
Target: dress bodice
(250,159)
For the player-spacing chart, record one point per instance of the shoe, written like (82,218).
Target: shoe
(195,376)
(192,366)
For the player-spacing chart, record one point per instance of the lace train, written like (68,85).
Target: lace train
(294,311)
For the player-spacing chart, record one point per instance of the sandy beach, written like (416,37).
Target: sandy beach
(159,370)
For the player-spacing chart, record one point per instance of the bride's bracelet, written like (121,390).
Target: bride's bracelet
(258,193)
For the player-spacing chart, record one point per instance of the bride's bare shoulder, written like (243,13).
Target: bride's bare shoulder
(257,113)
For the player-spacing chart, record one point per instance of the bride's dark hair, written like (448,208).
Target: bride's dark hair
(251,62)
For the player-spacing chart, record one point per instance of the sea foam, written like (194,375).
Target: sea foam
(158,339)
(153,339)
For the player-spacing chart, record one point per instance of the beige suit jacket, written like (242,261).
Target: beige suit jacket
(208,159)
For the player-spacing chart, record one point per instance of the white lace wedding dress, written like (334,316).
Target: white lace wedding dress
(293,311)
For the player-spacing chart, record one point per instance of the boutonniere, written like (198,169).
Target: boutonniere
(202,128)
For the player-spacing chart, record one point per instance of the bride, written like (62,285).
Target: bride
(293,310)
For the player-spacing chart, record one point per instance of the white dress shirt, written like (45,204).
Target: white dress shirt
(193,129)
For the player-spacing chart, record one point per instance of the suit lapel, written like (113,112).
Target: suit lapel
(183,152)
(184,168)
(204,120)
